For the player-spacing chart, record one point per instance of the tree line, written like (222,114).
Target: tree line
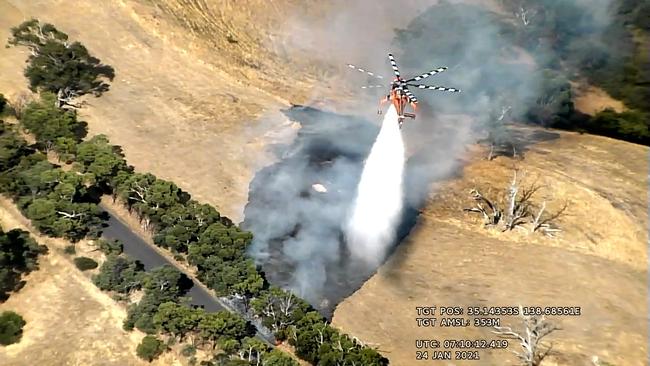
(59,202)
(18,257)
(63,203)
(603,45)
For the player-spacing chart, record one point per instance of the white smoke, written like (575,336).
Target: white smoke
(297,227)
(378,205)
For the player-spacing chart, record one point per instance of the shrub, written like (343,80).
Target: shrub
(188,351)
(120,274)
(70,249)
(11,327)
(150,348)
(85,263)
(109,247)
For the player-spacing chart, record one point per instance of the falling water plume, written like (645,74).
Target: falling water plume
(378,204)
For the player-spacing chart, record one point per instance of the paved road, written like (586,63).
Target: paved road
(137,248)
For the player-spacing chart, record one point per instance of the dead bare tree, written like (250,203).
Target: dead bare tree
(518,204)
(65,99)
(543,223)
(496,132)
(525,15)
(522,10)
(492,214)
(71,216)
(519,209)
(140,191)
(536,327)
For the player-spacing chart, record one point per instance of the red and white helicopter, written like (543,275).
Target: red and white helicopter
(399,94)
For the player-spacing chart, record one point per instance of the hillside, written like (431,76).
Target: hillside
(598,261)
(69,320)
(198,98)
(179,110)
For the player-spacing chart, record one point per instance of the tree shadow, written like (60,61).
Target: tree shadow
(185,284)
(80,130)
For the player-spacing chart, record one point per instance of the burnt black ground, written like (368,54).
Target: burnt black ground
(286,215)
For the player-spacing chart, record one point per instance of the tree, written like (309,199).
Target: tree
(278,358)
(109,247)
(70,220)
(18,255)
(238,278)
(119,274)
(177,320)
(553,106)
(543,221)
(11,327)
(141,314)
(224,359)
(85,263)
(25,179)
(133,189)
(490,211)
(100,161)
(203,214)
(57,65)
(279,309)
(228,243)
(516,209)
(368,356)
(149,196)
(12,148)
(66,148)
(518,205)
(150,348)
(252,350)
(318,343)
(629,125)
(498,135)
(177,229)
(221,326)
(536,328)
(162,284)
(49,124)
(309,340)
(67,186)
(165,283)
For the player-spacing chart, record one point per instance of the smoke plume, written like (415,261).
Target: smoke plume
(378,204)
(299,231)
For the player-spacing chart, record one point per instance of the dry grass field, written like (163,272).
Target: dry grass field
(591,100)
(598,262)
(184,107)
(197,97)
(69,320)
